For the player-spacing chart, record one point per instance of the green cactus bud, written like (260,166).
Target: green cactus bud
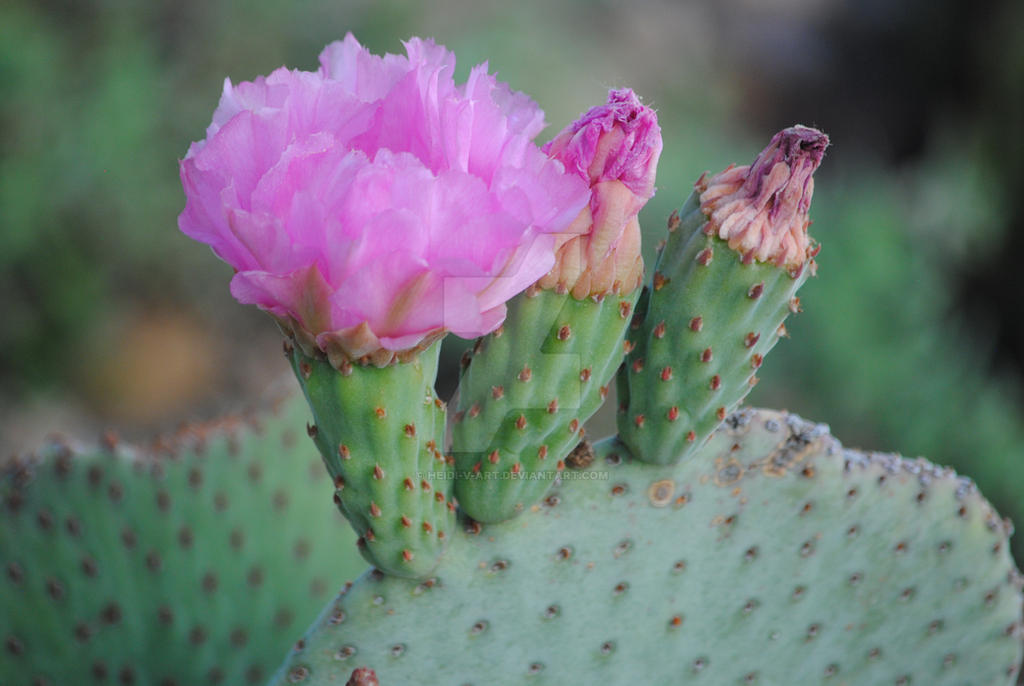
(195,562)
(380,431)
(773,556)
(724,282)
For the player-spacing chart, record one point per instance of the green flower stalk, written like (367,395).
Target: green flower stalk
(380,431)
(726,279)
(528,388)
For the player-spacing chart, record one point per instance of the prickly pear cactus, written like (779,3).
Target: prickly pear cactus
(772,556)
(769,555)
(195,562)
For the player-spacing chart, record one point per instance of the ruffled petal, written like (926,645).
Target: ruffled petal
(374,202)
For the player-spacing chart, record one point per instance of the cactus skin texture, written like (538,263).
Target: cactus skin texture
(708,322)
(381,432)
(527,391)
(192,563)
(773,556)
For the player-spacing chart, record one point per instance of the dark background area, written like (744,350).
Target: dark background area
(913,335)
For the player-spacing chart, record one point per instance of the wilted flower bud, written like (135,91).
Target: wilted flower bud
(761,210)
(374,205)
(615,147)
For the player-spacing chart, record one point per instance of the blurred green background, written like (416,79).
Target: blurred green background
(912,338)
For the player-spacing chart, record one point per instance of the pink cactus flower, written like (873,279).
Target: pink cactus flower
(374,205)
(615,147)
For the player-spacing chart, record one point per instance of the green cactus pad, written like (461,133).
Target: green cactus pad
(774,556)
(710,321)
(526,393)
(381,433)
(196,562)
